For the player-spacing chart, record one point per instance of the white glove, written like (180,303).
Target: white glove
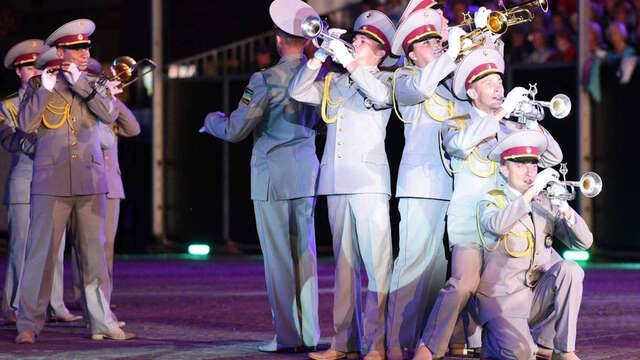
(480,17)
(543,178)
(208,122)
(512,99)
(321,54)
(114,88)
(72,74)
(48,79)
(336,32)
(600,53)
(340,52)
(105,135)
(532,125)
(454,42)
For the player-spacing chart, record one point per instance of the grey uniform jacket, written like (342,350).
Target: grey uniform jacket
(68,160)
(21,146)
(358,107)
(284,164)
(468,142)
(508,276)
(425,103)
(126,126)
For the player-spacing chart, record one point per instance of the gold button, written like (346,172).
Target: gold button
(74,143)
(339,156)
(74,156)
(340,129)
(106,157)
(339,142)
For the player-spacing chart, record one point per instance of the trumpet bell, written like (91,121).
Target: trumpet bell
(560,106)
(497,22)
(311,26)
(590,184)
(122,69)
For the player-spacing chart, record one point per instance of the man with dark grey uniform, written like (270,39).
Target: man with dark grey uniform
(528,297)
(21,57)
(68,180)
(284,169)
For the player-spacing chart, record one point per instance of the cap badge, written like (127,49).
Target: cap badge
(528,150)
(79,36)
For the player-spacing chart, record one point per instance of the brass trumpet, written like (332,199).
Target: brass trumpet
(497,23)
(314,28)
(532,109)
(590,185)
(125,70)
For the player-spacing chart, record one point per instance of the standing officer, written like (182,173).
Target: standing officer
(354,174)
(468,140)
(424,186)
(528,297)
(21,145)
(284,170)
(68,180)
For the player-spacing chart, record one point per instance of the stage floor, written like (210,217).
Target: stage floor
(217,309)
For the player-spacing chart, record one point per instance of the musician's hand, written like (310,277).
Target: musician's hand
(480,17)
(336,32)
(543,178)
(48,79)
(114,87)
(341,53)
(454,42)
(516,95)
(71,72)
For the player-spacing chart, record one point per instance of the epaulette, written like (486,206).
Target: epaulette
(499,197)
(11,96)
(460,121)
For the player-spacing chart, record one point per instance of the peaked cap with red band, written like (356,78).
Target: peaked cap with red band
(288,15)
(48,59)
(522,144)
(24,53)
(416,5)
(474,66)
(72,33)
(422,24)
(377,26)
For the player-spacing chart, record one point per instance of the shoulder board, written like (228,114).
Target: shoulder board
(462,117)
(11,96)
(498,197)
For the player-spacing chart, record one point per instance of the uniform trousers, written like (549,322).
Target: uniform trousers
(361,236)
(18,233)
(552,321)
(286,231)
(466,266)
(49,216)
(419,271)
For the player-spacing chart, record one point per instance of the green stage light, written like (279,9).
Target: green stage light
(576,255)
(198,249)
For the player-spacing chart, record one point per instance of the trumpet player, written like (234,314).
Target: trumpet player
(284,170)
(68,180)
(528,297)
(22,58)
(467,141)
(424,187)
(354,174)
(125,126)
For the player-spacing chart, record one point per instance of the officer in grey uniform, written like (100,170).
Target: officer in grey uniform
(528,297)
(21,145)
(125,126)
(68,180)
(284,170)
(424,186)
(354,174)
(467,141)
